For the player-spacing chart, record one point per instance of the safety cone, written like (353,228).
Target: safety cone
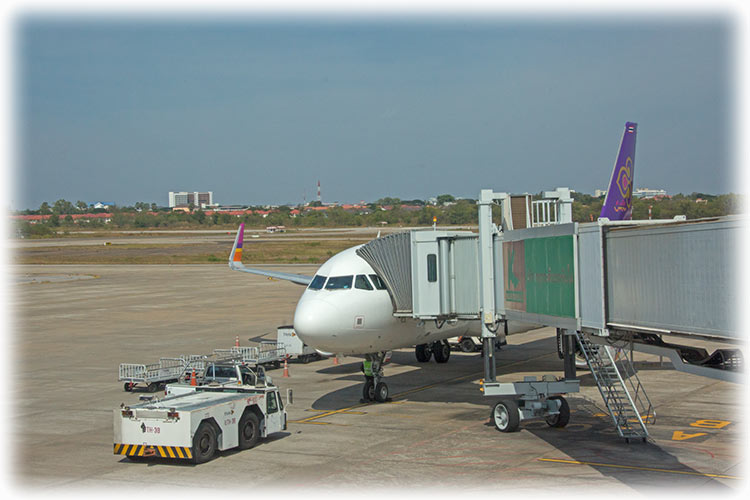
(192,378)
(237,341)
(335,360)
(286,369)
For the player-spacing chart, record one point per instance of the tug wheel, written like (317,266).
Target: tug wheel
(249,431)
(204,443)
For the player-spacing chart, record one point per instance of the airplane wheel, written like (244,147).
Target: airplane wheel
(423,353)
(505,416)
(381,392)
(368,391)
(467,345)
(442,352)
(562,418)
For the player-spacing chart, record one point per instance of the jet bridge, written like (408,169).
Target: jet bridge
(663,276)
(602,285)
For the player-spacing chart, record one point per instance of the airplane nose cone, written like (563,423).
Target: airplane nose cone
(315,322)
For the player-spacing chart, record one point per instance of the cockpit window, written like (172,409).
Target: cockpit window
(339,283)
(362,282)
(377,282)
(317,282)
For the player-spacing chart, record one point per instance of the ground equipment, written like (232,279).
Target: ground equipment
(195,422)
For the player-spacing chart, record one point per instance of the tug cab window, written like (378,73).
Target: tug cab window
(271,406)
(339,283)
(377,282)
(317,282)
(362,282)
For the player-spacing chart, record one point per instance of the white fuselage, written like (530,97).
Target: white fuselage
(352,313)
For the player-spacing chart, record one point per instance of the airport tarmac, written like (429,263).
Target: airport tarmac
(69,336)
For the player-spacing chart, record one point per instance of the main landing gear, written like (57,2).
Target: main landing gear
(375,389)
(441,349)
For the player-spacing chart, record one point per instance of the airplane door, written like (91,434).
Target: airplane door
(274,415)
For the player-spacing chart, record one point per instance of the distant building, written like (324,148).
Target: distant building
(185,198)
(649,193)
(599,193)
(97,205)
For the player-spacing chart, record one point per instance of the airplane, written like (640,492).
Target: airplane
(346,308)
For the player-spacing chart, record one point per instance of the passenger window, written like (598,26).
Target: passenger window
(339,283)
(377,282)
(317,282)
(362,282)
(431,267)
(271,406)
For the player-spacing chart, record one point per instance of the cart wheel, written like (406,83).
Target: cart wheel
(505,416)
(562,418)
(204,443)
(304,358)
(249,430)
(128,387)
(152,387)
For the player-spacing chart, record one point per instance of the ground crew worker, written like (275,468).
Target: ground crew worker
(369,379)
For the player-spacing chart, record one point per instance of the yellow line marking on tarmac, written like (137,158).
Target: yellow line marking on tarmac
(632,467)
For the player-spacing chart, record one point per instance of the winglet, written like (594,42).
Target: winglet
(618,205)
(236,256)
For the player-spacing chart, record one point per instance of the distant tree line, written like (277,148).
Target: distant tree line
(385,211)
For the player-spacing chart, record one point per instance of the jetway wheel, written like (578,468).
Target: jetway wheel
(562,418)
(505,416)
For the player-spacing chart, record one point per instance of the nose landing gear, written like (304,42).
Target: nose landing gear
(375,389)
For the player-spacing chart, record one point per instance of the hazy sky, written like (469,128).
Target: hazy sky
(257,109)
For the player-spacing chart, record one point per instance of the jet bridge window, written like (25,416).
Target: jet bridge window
(431,268)
(362,282)
(317,282)
(377,282)
(339,283)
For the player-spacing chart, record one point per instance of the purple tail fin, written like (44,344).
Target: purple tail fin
(618,205)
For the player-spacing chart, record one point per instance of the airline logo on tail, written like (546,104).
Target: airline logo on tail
(618,205)
(237,250)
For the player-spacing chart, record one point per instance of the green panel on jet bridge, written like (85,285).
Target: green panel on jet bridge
(550,287)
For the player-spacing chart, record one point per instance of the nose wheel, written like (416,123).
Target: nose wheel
(375,389)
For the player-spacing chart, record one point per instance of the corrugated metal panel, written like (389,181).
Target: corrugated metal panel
(466,262)
(590,277)
(390,257)
(677,277)
(519,206)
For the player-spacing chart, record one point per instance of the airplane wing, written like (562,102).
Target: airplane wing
(235,264)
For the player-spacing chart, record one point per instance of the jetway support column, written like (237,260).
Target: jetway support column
(569,353)
(487,232)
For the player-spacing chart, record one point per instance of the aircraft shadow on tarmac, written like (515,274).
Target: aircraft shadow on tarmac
(590,437)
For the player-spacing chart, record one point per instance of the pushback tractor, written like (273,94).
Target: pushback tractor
(196,422)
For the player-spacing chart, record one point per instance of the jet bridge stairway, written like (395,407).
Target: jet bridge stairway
(630,409)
